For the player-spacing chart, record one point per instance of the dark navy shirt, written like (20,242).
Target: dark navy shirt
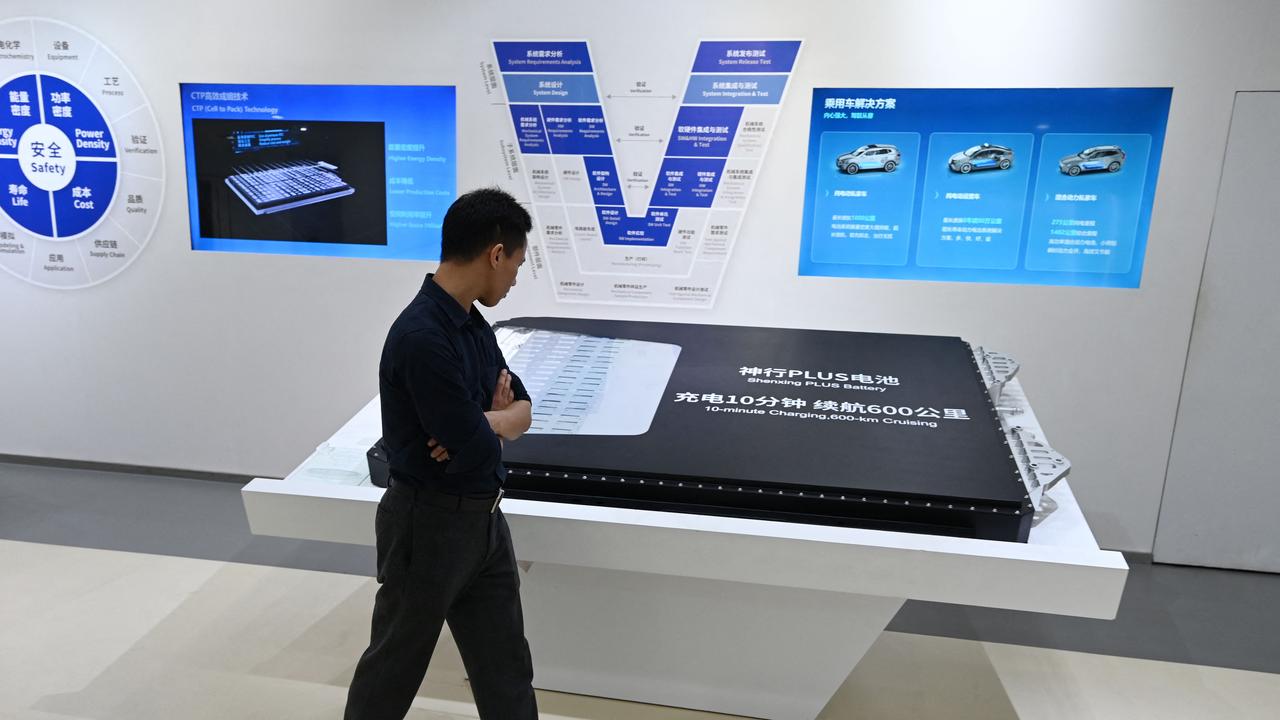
(438,371)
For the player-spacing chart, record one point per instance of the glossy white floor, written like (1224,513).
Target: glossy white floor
(99,634)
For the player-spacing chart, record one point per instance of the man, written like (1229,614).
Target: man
(444,550)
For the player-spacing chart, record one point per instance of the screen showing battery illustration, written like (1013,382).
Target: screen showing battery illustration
(350,170)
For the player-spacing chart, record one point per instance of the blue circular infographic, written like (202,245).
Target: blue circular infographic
(81,165)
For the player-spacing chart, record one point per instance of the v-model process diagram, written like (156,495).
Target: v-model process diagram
(612,232)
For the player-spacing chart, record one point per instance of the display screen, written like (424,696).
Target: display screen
(350,170)
(1028,186)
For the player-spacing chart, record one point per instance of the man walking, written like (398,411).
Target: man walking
(444,549)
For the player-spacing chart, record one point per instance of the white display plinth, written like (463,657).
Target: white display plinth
(749,617)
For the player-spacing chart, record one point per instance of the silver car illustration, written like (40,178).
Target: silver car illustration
(870,157)
(1100,157)
(981,157)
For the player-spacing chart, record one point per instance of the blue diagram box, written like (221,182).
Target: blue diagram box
(975,195)
(576,129)
(74,114)
(551,88)
(20,110)
(602,175)
(687,182)
(1088,222)
(362,171)
(543,56)
(81,204)
(26,204)
(704,131)
(735,89)
(760,56)
(864,216)
(651,229)
(529,131)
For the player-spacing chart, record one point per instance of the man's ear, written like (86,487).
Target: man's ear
(495,255)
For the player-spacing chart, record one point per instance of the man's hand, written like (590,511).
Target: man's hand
(503,395)
(512,421)
(438,453)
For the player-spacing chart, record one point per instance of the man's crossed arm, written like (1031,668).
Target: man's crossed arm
(508,418)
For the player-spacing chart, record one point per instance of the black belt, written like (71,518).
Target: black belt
(449,501)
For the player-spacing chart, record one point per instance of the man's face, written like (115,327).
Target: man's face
(502,276)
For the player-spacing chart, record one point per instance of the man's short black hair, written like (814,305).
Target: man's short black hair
(480,219)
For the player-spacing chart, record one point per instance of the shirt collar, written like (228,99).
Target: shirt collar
(450,306)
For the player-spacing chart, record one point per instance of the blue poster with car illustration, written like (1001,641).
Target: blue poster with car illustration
(1022,186)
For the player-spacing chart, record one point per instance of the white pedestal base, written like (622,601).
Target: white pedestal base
(663,639)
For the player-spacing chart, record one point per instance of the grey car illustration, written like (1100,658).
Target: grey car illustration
(981,157)
(1093,159)
(870,157)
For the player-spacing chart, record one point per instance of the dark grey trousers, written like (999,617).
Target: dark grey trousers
(438,565)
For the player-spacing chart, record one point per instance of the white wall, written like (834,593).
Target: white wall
(242,363)
(1221,491)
